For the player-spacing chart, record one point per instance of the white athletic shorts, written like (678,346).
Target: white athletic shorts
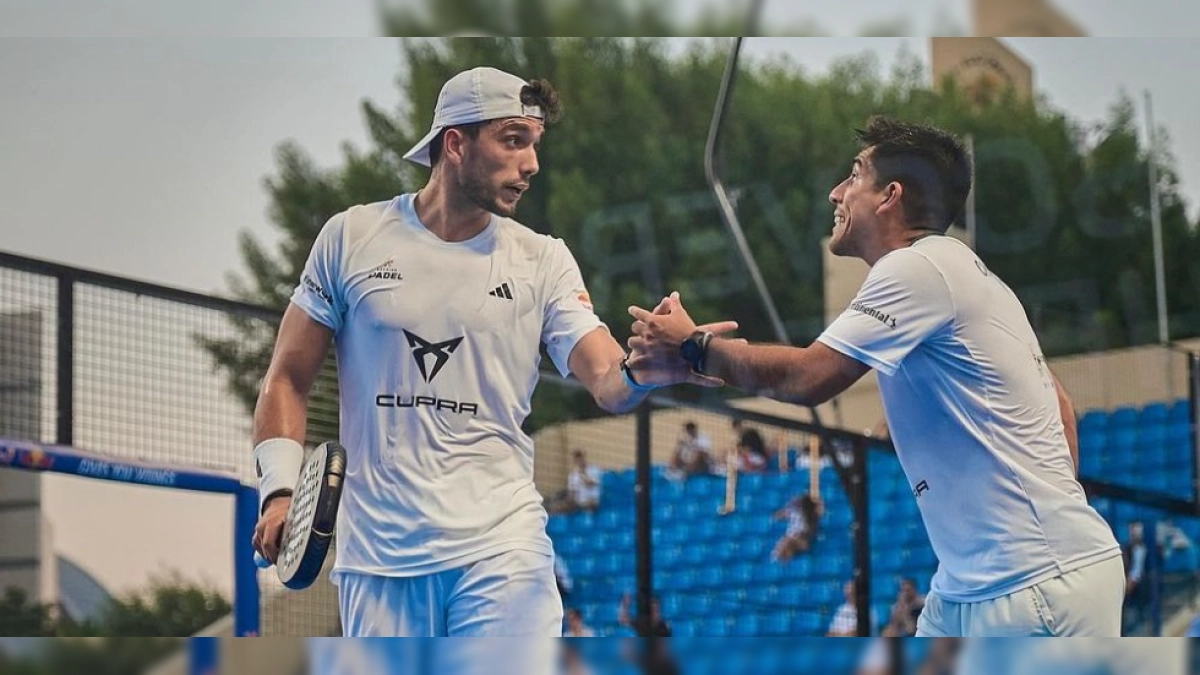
(512,594)
(1082,603)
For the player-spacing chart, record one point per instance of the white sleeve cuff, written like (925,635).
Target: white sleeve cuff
(278,462)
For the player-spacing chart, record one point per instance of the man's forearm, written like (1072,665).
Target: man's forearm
(281,412)
(772,371)
(614,394)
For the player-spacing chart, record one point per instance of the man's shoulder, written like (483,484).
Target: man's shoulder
(356,221)
(531,245)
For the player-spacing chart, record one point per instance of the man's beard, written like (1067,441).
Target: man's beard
(474,185)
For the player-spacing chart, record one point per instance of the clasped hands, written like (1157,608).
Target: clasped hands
(654,357)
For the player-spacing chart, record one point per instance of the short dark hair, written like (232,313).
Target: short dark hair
(537,92)
(690,427)
(930,163)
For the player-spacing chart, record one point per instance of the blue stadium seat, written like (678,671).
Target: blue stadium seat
(1091,462)
(1093,420)
(710,577)
(1121,461)
(1154,413)
(691,509)
(582,567)
(751,482)
(776,624)
(1180,411)
(761,526)
(741,574)
(705,487)
(609,519)
(1122,417)
(717,626)
(697,604)
(1122,436)
(697,553)
(583,521)
(1155,432)
(709,529)
(749,625)
(811,623)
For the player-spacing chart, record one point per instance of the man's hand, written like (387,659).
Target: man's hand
(665,328)
(269,531)
(657,335)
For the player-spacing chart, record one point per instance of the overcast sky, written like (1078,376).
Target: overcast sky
(146,157)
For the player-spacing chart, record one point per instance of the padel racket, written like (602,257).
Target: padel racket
(311,517)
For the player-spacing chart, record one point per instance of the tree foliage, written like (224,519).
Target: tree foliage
(1061,205)
(130,634)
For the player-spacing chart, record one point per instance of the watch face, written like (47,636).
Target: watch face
(690,350)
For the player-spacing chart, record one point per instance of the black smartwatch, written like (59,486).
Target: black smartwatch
(694,349)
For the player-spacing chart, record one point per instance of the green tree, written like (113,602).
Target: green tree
(169,607)
(1061,207)
(131,634)
(20,616)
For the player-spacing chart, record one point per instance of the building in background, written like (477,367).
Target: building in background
(1022,18)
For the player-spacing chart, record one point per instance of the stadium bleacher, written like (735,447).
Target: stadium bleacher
(714,574)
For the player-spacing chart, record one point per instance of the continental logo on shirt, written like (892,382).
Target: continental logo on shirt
(886,319)
(584,299)
(386,271)
(313,286)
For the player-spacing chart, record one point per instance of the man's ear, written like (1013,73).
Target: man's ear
(454,143)
(892,193)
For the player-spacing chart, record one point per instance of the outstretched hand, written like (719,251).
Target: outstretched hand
(657,335)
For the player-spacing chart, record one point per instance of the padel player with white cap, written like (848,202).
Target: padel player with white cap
(983,429)
(438,303)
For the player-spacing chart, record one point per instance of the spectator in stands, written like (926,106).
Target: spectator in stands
(575,625)
(653,656)
(562,578)
(1179,552)
(845,621)
(751,448)
(583,485)
(803,515)
(693,453)
(902,621)
(659,628)
(1137,593)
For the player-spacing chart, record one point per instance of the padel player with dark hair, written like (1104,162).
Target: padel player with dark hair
(984,431)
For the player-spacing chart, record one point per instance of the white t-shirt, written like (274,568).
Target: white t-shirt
(578,488)
(974,415)
(438,353)
(691,448)
(797,524)
(845,620)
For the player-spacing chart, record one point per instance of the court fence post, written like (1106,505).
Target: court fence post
(65,356)
(862,537)
(645,569)
(1154,577)
(1194,417)
(247,598)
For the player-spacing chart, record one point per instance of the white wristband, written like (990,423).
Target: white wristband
(278,461)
